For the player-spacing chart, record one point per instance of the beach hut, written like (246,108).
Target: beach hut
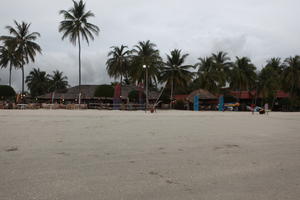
(205,99)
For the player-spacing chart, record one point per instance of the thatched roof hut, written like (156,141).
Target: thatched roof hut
(203,95)
(88,92)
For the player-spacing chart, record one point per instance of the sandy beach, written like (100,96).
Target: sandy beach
(169,155)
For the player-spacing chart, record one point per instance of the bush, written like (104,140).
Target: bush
(134,96)
(7,92)
(165,97)
(104,91)
(179,105)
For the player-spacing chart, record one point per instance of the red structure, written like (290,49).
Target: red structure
(118,89)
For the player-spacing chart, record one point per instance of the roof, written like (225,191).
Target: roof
(88,91)
(203,94)
(282,94)
(252,94)
(180,96)
(243,94)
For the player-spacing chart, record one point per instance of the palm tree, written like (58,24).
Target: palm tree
(76,26)
(145,53)
(208,75)
(118,63)
(291,75)
(243,75)
(22,41)
(38,82)
(175,72)
(58,81)
(222,64)
(8,59)
(270,79)
(275,63)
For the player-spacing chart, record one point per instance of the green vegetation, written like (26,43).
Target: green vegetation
(134,96)
(8,58)
(104,91)
(145,53)
(179,105)
(21,44)
(58,81)
(39,82)
(6,92)
(118,63)
(174,73)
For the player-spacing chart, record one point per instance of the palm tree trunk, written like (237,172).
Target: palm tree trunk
(22,97)
(79,60)
(171,97)
(22,67)
(121,86)
(10,68)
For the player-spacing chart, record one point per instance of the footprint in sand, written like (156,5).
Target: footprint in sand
(153,173)
(63,153)
(227,146)
(11,149)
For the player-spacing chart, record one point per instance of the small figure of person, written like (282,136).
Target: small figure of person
(262,111)
(267,108)
(252,107)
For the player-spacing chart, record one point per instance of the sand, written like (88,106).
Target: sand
(172,155)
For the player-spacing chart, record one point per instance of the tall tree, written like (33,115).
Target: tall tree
(38,82)
(57,81)
(174,72)
(209,77)
(270,79)
(9,59)
(222,66)
(243,75)
(118,63)
(76,26)
(291,76)
(145,53)
(22,41)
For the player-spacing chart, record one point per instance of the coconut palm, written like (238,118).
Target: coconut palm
(58,81)
(76,27)
(9,59)
(270,79)
(222,65)
(22,41)
(174,72)
(291,75)
(145,53)
(243,75)
(117,65)
(37,82)
(276,64)
(209,77)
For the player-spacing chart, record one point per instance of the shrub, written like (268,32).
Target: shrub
(104,91)
(179,105)
(7,92)
(134,96)
(165,97)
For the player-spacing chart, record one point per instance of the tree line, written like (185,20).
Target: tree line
(212,73)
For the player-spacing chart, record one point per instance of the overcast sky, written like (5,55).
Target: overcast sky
(254,28)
